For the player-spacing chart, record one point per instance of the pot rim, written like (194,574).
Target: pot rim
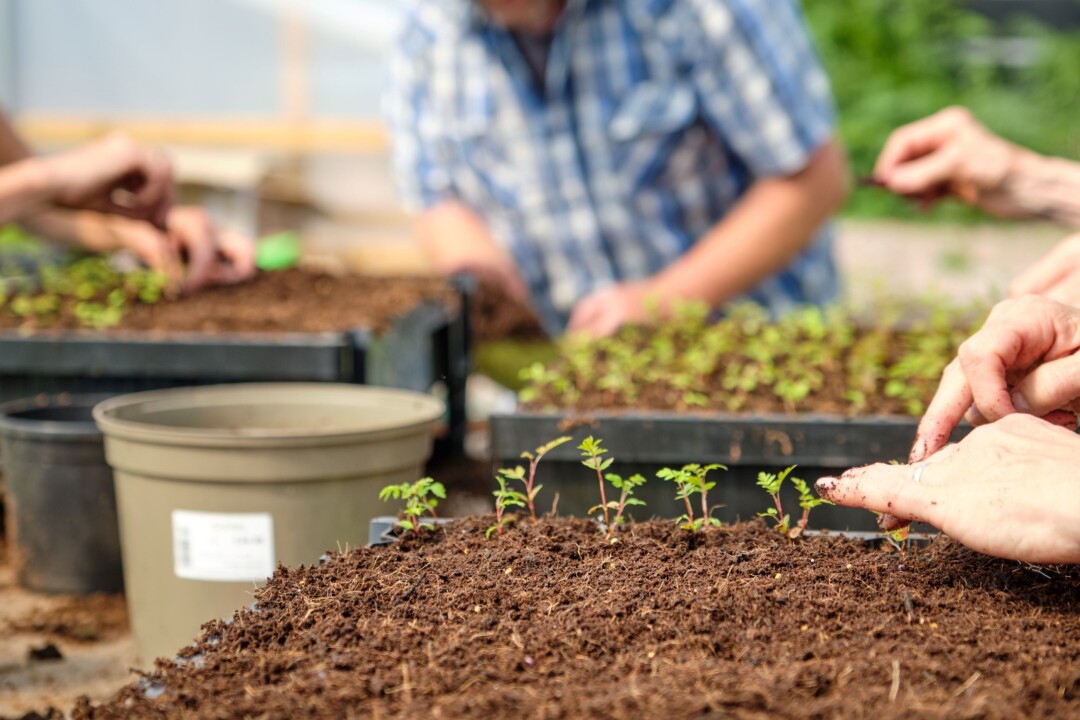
(427,411)
(51,430)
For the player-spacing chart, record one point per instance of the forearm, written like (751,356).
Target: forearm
(12,148)
(774,221)
(1045,187)
(83,228)
(24,187)
(449,227)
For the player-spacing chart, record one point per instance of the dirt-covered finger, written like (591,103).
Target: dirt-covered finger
(946,409)
(1049,386)
(880,488)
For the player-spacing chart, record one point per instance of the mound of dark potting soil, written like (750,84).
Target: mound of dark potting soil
(493,315)
(273,302)
(555,622)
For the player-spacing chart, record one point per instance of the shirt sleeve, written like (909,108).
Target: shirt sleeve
(421,153)
(760,83)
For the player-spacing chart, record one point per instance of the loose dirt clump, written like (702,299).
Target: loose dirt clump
(552,621)
(494,315)
(91,618)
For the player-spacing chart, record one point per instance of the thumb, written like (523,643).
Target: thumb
(1050,386)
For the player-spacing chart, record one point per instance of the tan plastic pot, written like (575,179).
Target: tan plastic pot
(217,485)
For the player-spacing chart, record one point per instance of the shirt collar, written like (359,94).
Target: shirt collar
(473,18)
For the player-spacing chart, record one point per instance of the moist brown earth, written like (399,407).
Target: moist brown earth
(283,301)
(552,621)
(494,315)
(88,618)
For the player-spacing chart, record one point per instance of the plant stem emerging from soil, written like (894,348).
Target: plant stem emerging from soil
(591,450)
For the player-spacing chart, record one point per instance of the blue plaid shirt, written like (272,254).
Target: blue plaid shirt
(654,119)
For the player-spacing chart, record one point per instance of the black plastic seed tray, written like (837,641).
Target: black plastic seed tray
(421,348)
(644,442)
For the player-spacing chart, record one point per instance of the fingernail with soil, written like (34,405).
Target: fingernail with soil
(918,451)
(825,486)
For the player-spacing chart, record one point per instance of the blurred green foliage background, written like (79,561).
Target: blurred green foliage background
(895,61)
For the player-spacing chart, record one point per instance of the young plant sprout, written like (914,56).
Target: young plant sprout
(420,497)
(899,540)
(807,501)
(692,480)
(505,498)
(626,498)
(591,451)
(529,481)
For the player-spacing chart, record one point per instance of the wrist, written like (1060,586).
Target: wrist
(40,177)
(1046,187)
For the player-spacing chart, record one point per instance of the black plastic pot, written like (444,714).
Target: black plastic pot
(383,530)
(62,526)
(644,442)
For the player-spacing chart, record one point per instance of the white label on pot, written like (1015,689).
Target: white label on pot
(223,547)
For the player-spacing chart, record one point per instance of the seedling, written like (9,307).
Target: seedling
(420,497)
(807,501)
(747,358)
(505,498)
(899,540)
(518,473)
(626,498)
(692,480)
(592,452)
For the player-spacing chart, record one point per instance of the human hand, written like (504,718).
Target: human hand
(603,312)
(457,241)
(213,256)
(1007,489)
(948,153)
(113,175)
(1022,360)
(1056,276)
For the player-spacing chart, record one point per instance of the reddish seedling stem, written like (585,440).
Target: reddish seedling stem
(779,507)
(804,520)
(603,495)
(529,487)
(618,514)
(689,509)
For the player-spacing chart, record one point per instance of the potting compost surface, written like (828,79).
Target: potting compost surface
(494,315)
(282,301)
(55,648)
(553,621)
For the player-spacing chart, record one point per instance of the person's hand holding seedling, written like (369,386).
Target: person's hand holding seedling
(192,253)
(1008,489)
(949,154)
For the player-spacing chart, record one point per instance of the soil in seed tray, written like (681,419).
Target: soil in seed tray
(553,621)
(284,301)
